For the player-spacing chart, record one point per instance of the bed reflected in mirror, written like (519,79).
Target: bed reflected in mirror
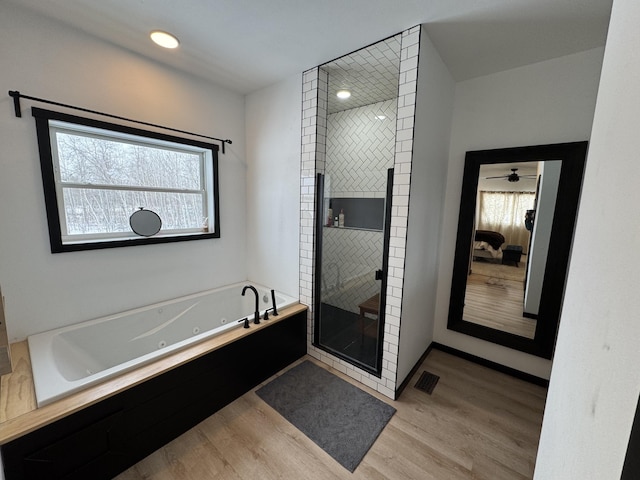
(517,213)
(512,228)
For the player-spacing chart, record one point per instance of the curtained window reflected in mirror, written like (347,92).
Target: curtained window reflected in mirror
(515,228)
(505,212)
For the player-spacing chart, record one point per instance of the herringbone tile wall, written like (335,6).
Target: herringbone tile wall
(349,261)
(360,149)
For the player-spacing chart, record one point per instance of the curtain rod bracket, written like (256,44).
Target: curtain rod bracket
(16,102)
(16,106)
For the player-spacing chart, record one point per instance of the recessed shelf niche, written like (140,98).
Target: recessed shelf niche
(361,213)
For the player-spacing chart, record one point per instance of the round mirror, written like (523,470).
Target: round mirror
(145,222)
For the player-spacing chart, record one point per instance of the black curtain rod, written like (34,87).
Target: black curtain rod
(16,105)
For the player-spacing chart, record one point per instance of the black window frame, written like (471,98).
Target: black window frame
(42,118)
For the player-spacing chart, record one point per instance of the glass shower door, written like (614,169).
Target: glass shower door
(351,252)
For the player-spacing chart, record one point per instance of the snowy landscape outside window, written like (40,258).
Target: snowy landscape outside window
(96,175)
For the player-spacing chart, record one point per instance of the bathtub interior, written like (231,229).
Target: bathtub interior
(140,333)
(75,357)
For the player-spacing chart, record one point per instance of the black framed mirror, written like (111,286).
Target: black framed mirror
(521,264)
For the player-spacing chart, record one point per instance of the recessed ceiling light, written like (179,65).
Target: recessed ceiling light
(343,94)
(164,39)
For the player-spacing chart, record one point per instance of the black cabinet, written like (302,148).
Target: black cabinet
(105,439)
(92,448)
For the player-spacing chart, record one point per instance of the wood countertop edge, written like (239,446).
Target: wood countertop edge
(27,422)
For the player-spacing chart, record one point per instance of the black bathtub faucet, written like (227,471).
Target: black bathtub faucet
(256,318)
(273,301)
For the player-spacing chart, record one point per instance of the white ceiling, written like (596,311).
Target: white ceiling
(495,169)
(245,45)
(503,170)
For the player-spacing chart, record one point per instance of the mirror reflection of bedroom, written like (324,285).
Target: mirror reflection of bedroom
(514,213)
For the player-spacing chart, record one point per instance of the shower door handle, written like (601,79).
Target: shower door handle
(379,274)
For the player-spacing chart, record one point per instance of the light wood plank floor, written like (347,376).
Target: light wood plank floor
(497,303)
(478,424)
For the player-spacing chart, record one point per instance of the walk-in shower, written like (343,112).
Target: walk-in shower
(353,207)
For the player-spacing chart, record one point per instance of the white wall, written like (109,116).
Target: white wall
(434,107)
(273,123)
(547,102)
(595,379)
(43,58)
(541,235)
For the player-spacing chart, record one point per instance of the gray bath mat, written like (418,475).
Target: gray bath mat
(340,418)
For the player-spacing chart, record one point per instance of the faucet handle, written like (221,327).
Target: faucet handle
(266,314)
(246,322)
(273,302)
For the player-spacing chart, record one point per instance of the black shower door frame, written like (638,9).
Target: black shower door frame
(383,274)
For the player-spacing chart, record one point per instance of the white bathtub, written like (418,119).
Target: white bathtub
(72,358)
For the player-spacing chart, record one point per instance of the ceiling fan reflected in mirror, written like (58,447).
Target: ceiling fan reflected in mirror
(512,177)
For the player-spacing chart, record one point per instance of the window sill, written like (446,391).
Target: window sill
(101,244)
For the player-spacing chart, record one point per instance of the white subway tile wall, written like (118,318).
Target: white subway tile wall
(314,134)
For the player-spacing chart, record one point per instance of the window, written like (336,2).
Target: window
(505,212)
(96,175)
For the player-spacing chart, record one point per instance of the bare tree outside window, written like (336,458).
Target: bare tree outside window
(88,161)
(98,174)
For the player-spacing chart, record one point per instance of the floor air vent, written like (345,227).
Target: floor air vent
(427,382)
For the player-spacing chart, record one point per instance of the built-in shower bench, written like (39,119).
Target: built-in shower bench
(371,306)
